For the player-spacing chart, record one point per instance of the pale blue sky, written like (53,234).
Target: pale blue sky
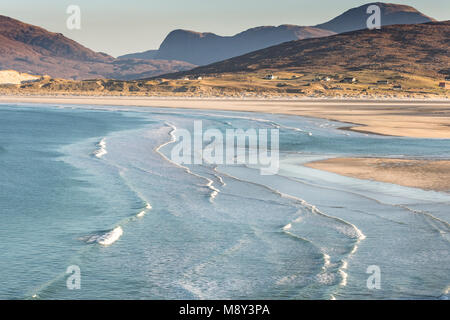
(124,26)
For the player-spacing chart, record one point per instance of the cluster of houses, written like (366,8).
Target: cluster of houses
(188,78)
(395,87)
(329,78)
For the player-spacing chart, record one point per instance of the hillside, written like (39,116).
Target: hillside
(31,49)
(404,61)
(421,50)
(356,18)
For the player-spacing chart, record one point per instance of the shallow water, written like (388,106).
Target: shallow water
(94,187)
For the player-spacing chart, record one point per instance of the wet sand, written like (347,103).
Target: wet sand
(423,174)
(407,118)
(415,119)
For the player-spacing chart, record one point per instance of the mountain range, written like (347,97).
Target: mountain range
(401,61)
(415,50)
(205,48)
(34,50)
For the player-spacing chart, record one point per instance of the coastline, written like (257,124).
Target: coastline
(423,174)
(404,118)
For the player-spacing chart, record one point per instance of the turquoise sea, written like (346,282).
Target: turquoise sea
(92,186)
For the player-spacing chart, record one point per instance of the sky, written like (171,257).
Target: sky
(118,27)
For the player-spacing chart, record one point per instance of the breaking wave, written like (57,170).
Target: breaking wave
(101,149)
(107,238)
(209,183)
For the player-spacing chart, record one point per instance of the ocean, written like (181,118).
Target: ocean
(94,187)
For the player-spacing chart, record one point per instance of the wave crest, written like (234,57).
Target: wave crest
(107,238)
(101,149)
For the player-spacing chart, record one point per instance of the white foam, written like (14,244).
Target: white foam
(209,184)
(286,279)
(101,151)
(447,290)
(344,265)
(220,179)
(194,290)
(299,219)
(343,277)
(325,278)
(110,237)
(326,259)
(343,274)
(354,233)
(214,190)
(141,214)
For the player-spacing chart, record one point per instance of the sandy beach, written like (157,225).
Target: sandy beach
(415,119)
(423,174)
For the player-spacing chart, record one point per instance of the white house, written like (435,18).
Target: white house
(270,77)
(349,80)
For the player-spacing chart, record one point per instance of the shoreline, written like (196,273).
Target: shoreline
(423,174)
(394,117)
(404,118)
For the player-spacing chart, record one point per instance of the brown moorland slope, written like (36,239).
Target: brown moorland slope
(421,50)
(27,48)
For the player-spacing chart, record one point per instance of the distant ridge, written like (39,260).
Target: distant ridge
(356,18)
(421,49)
(146,55)
(205,48)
